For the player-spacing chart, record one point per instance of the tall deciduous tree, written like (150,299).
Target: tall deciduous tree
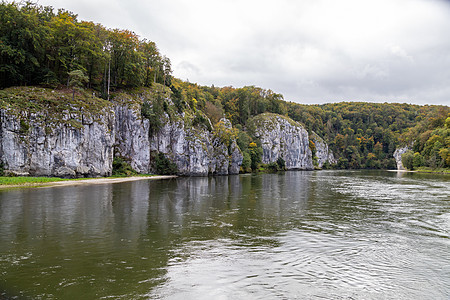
(77,79)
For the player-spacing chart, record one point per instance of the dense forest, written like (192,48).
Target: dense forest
(39,46)
(362,135)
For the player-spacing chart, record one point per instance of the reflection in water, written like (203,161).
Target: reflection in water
(330,234)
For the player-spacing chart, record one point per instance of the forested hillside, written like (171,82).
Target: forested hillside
(362,135)
(365,135)
(429,141)
(39,46)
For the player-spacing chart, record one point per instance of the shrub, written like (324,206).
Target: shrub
(326,165)
(272,167)
(342,163)
(225,134)
(407,160)
(255,155)
(246,161)
(163,165)
(153,114)
(201,119)
(24,127)
(281,164)
(122,168)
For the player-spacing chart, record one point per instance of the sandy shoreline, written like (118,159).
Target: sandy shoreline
(87,181)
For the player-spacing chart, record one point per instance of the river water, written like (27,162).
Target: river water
(296,235)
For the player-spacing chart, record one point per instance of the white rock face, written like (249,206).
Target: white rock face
(88,149)
(195,150)
(132,138)
(224,160)
(398,157)
(285,138)
(59,150)
(186,147)
(323,154)
(235,159)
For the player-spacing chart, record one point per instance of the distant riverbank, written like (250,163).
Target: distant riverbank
(423,170)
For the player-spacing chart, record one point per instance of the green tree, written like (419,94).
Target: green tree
(418,160)
(243,140)
(255,155)
(127,64)
(163,165)
(281,164)
(23,40)
(77,79)
(407,160)
(246,161)
(167,70)
(152,59)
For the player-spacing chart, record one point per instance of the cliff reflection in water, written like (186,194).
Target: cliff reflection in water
(328,234)
(76,239)
(202,208)
(132,209)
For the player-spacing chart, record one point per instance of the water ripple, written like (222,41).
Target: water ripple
(297,235)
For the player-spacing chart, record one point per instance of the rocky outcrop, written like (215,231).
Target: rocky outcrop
(82,141)
(235,159)
(186,146)
(132,137)
(85,148)
(195,150)
(398,157)
(323,153)
(72,148)
(282,137)
(225,159)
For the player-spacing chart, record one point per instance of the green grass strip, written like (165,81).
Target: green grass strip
(23,180)
(438,170)
(20,180)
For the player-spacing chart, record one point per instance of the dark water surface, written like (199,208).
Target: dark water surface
(297,235)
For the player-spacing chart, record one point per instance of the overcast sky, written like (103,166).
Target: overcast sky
(311,51)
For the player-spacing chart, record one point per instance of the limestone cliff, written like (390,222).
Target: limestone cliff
(323,153)
(87,149)
(282,137)
(132,137)
(194,149)
(55,136)
(398,157)
(75,147)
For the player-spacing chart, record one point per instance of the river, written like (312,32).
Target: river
(295,235)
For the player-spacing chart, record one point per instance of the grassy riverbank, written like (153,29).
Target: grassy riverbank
(22,182)
(437,171)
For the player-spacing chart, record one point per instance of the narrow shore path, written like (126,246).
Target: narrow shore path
(86,181)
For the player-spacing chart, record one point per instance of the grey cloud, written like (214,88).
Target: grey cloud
(315,52)
(188,69)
